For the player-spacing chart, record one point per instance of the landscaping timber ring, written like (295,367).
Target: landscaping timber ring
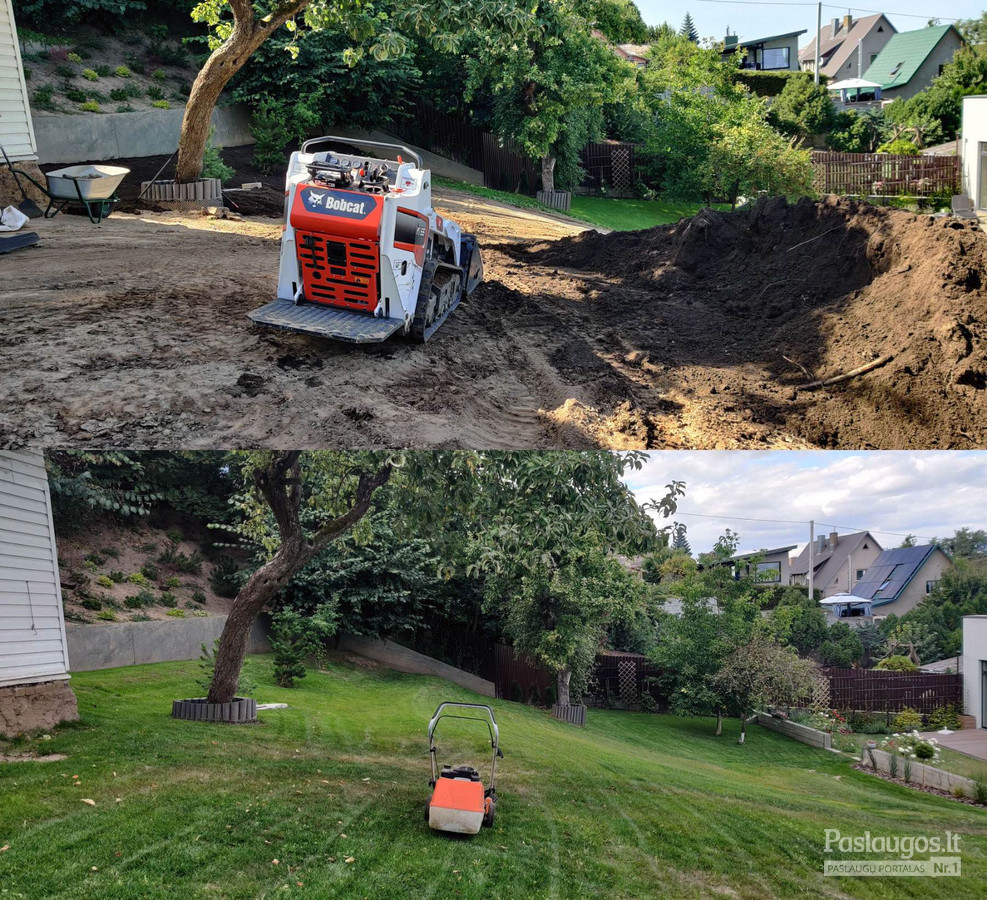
(240,709)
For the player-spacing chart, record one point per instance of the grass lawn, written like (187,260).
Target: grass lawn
(632,806)
(617,215)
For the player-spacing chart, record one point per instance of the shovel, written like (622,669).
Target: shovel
(27,205)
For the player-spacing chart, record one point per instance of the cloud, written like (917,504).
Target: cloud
(926,493)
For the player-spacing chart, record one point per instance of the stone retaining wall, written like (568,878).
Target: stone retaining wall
(797,732)
(34,707)
(928,776)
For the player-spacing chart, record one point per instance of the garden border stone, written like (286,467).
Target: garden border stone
(239,710)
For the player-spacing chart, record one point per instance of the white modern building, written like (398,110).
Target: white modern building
(973,149)
(34,659)
(974,668)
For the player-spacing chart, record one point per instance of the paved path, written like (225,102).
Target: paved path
(971,741)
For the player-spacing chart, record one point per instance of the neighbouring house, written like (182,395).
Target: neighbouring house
(848,45)
(839,562)
(974,668)
(637,54)
(848,606)
(772,568)
(34,659)
(973,149)
(778,53)
(898,580)
(911,59)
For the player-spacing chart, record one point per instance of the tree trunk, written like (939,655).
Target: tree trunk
(719,723)
(548,172)
(563,685)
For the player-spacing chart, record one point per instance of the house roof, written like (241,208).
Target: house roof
(902,56)
(774,37)
(639,50)
(774,552)
(828,564)
(837,50)
(892,572)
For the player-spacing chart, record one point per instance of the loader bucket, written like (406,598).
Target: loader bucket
(471,261)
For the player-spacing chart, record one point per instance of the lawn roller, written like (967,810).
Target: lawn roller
(458,802)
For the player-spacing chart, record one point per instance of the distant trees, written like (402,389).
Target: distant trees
(803,108)
(688,29)
(619,20)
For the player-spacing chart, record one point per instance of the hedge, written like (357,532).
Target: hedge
(770,84)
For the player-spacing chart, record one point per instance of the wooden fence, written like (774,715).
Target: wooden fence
(517,677)
(878,691)
(505,166)
(884,174)
(612,167)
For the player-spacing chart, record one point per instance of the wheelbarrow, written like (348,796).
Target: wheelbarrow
(92,187)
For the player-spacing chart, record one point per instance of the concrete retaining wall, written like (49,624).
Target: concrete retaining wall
(445,168)
(928,776)
(796,732)
(88,138)
(135,643)
(394,656)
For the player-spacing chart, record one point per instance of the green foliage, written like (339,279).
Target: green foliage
(144,597)
(980,790)
(224,578)
(897,664)
(168,599)
(159,74)
(842,647)
(104,71)
(294,638)
(619,20)
(175,536)
(164,104)
(42,14)
(172,582)
(95,558)
(274,124)
(852,133)
(907,720)
(138,578)
(154,93)
(149,571)
(104,581)
(90,74)
(122,72)
(117,577)
(212,163)
(190,564)
(176,613)
(766,83)
(42,97)
(899,147)
(106,615)
(74,58)
(207,666)
(688,29)
(798,622)
(91,603)
(803,108)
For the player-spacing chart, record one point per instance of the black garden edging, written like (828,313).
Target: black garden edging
(241,709)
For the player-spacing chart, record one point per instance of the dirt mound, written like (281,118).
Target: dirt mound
(798,293)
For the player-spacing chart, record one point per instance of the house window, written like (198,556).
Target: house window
(873,56)
(880,29)
(774,58)
(930,586)
(769,572)
(895,70)
(860,574)
(941,69)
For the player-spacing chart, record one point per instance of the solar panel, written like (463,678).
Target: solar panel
(890,572)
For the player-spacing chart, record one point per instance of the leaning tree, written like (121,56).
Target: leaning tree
(298,504)
(239,27)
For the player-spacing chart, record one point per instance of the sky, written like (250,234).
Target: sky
(754,20)
(928,494)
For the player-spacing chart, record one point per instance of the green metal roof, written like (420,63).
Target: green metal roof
(901,57)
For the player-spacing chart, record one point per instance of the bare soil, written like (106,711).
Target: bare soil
(134,333)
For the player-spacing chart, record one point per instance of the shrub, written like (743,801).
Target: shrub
(171,54)
(90,565)
(140,577)
(907,720)
(107,615)
(207,665)
(117,577)
(168,599)
(175,536)
(80,578)
(212,163)
(551,695)
(224,579)
(110,552)
(897,664)
(27,73)
(944,717)
(189,604)
(172,582)
(158,31)
(893,765)
(42,97)
(75,58)
(140,617)
(906,769)
(160,104)
(95,558)
(144,597)
(122,72)
(149,546)
(515,693)
(534,696)
(76,96)
(118,94)
(899,147)
(200,614)
(90,74)
(65,71)
(155,93)
(269,127)
(104,581)
(91,603)
(132,602)
(198,596)
(104,71)
(149,571)
(190,565)
(924,751)
(294,638)
(958,791)
(176,613)
(647,702)
(911,746)
(980,790)
(159,75)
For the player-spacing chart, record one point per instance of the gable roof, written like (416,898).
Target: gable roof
(828,564)
(902,56)
(837,50)
(765,553)
(892,572)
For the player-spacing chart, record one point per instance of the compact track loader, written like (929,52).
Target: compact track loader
(363,255)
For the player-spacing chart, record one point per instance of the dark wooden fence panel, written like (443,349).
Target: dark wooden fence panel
(612,167)
(506,168)
(884,174)
(878,691)
(512,668)
(619,679)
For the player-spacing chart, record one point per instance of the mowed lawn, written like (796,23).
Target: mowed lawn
(333,789)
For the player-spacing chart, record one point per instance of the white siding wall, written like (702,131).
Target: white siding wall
(16,130)
(32,628)
(974,654)
(973,134)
